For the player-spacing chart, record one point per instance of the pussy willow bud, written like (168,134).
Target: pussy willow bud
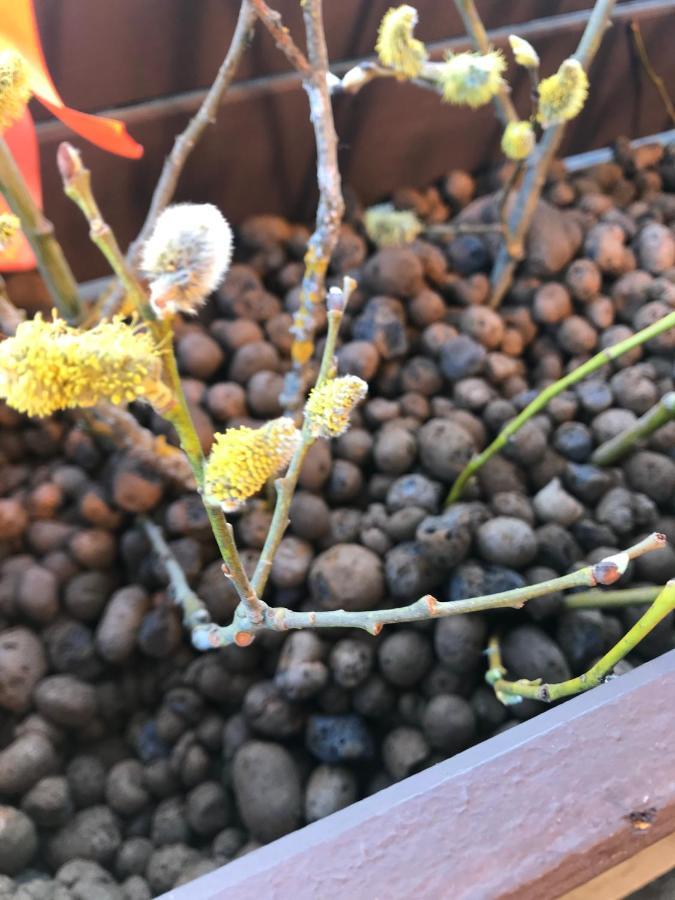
(49,366)
(523,52)
(243,459)
(562,96)
(387,226)
(338,297)
(471,79)
(9,228)
(328,407)
(186,257)
(396,46)
(15,88)
(518,140)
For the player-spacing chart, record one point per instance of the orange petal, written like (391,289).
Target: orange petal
(19,32)
(21,139)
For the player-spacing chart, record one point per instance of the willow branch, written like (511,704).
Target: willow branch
(538,165)
(194,609)
(600,599)
(285,486)
(656,417)
(650,71)
(272,21)
(242,630)
(39,231)
(593,364)
(514,691)
(186,141)
(475,29)
(314,71)
(117,425)
(77,185)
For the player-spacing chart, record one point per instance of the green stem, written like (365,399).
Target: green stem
(285,487)
(660,414)
(77,185)
(39,231)
(607,571)
(535,690)
(592,365)
(599,599)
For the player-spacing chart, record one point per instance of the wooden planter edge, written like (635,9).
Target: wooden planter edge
(531,813)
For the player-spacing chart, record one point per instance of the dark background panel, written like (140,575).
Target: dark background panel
(259,157)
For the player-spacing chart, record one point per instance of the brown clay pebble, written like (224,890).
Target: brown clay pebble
(48,802)
(22,665)
(346,576)
(404,751)
(199,355)
(449,723)
(66,700)
(125,791)
(13,519)
(291,562)
(19,840)
(92,834)
(444,448)
(37,594)
(226,400)
(93,548)
(329,789)
(267,789)
(507,542)
(208,808)
(404,657)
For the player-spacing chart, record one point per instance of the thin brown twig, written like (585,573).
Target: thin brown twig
(331,204)
(650,71)
(538,165)
(506,111)
(272,21)
(186,141)
(193,607)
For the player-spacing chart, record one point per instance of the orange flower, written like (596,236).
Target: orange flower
(19,32)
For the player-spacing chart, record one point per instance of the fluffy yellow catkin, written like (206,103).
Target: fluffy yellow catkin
(396,46)
(387,226)
(523,52)
(9,228)
(328,407)
(243,459)
(562,96)
(49,366)
(14,88)
(186,257)
(518,140)
(472,79)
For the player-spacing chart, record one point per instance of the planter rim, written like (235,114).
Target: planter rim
(531,812)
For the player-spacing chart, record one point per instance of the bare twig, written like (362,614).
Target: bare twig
(10,316)
(187,140)
(242,630)
(271,19)
(538,165)
(651,72)
(194,609)
(331,204)
(615,448)
(118,425)
(39,231)
(600,599)
(475,29)
(513,691)
(77,185)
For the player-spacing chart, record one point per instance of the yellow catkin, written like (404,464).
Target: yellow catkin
(518,140)
(243,459)
(562,96)
(14,88)
(387,226)
(48,366)
(472,79)
(9,228)
(328,407)
(396,46)
(523,52)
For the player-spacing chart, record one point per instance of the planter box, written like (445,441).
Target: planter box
(529,814)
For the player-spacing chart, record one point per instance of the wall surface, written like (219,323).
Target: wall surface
(150,62)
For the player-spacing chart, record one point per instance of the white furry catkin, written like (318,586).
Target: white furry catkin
(186,257)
